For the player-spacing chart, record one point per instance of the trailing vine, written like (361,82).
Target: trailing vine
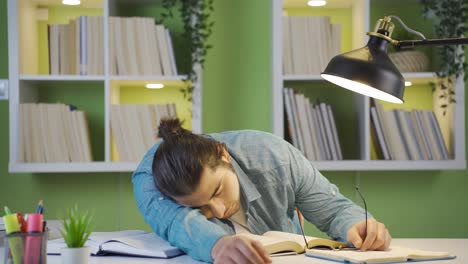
(450,17)
(195,16)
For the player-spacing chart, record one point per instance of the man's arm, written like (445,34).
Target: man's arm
(183,227)
(320,202)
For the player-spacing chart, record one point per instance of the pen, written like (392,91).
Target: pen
(39,207)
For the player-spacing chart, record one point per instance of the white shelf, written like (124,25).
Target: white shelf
(146,78)
(316,77)
(306,77)
(24,57)
(341,165)
(360,10)
(389,165)
(419,75)
(61,78)
(73,167)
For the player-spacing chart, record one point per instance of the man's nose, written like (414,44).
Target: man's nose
(217,208)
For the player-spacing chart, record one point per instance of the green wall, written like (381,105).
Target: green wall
(236,95)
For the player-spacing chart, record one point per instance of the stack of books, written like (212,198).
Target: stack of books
(312,127)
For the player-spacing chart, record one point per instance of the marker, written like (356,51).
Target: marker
(7,210)
(33,239)
(15,242)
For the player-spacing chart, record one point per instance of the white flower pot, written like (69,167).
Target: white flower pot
(75,255)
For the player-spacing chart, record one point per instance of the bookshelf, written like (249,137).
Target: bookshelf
(352,111)
(94,93)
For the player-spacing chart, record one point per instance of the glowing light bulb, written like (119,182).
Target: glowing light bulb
(71,2)
(154,85)
(317,2)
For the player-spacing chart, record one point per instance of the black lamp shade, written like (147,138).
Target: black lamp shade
(367,71)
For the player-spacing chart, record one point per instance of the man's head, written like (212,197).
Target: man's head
(195,171)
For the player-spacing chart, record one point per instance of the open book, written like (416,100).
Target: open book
(130,242)
(394,254)
(276,242)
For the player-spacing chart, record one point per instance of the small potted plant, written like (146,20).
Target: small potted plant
(76,230)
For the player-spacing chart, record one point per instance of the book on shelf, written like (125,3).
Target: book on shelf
(378,133)
(408,135)
(312,127)
(53,133)
(277,242)
(130,243)
(137,46)
(134,127)
(392,255)
(77,47)
(302,32)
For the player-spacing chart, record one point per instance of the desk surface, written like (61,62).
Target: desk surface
(456,247)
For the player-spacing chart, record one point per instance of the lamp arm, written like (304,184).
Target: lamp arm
(408,28)
(429,42)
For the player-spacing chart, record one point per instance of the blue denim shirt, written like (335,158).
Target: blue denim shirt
(275,178)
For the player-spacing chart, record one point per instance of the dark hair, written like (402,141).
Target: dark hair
(181,157)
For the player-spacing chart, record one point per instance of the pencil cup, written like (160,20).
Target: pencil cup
(26,248)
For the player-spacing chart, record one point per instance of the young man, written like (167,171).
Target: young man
(198,191)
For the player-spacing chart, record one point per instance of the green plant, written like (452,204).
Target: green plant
(195,15)
(76,227)
(450,18)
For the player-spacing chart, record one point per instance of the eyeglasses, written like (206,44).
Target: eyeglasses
(365,209)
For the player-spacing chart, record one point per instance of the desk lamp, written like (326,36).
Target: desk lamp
(369,70)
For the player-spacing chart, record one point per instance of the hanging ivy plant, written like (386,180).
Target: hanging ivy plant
(197,25)
(450,18)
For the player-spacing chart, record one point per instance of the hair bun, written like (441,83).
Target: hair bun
(170,127)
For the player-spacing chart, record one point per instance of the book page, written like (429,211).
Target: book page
(357,256)
(391,255)
(148,244)
(106,236)
(289,236)
(412,253)
(265,240)
(311,241)
(276,245)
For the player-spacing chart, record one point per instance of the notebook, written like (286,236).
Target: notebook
(130,243)
(393,255)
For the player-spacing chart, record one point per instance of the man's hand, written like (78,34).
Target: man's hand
(377,236)
(239,249)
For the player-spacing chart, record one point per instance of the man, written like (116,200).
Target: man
(198,191)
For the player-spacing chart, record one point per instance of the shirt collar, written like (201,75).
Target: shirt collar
(249,191)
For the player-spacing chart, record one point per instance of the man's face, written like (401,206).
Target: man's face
(217,195)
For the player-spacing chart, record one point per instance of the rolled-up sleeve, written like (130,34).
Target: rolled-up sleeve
(320,202)
(183,227)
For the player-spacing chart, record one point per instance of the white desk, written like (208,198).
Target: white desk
(458,247)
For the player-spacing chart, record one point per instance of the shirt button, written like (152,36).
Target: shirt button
(161,198)
(333,193)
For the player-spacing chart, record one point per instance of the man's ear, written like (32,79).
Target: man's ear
(224,153)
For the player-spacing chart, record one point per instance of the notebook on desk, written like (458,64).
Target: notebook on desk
(130,243)
(393,255)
